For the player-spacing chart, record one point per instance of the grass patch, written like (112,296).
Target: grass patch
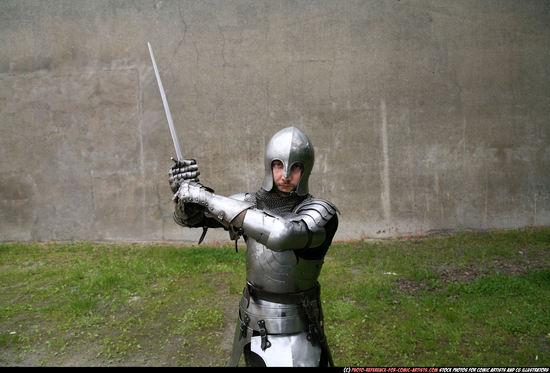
(470,299)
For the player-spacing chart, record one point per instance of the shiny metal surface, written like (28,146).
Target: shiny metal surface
(223,209)
(275,232)
(286,325)
(279,271)
(286,243)
(288,351)
(279,318)
(315,213)
(290,146)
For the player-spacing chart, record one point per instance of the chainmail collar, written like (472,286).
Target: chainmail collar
(273,202)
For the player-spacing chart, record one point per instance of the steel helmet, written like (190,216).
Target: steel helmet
(290,146)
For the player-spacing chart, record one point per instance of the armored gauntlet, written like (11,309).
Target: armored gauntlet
(183,170)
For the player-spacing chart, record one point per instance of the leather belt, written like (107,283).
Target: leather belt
(283,298)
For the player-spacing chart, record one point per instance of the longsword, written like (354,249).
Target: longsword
(171,122)
(166,107)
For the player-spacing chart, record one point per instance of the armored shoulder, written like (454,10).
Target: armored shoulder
(315,212)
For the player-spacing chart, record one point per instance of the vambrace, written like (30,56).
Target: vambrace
(225,210)
(279,233)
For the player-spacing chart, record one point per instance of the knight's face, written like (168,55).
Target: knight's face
(287,183)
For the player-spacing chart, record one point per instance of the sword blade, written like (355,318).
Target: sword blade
(166,108)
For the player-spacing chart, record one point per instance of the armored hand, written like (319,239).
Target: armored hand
(227,211)
(186,169)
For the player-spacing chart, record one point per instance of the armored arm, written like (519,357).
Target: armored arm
(302,230)
(229,212)
(275,232)
(187,214)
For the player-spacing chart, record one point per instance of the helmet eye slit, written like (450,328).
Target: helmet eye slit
(297,165)
(277,164)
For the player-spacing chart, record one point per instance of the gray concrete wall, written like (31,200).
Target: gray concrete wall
(424,115)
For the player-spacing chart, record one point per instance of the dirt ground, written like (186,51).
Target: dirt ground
(467,275)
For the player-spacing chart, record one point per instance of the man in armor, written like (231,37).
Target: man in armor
(287,232)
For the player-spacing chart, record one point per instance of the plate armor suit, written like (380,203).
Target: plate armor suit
(280,318)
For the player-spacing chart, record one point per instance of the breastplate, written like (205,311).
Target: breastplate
(279,271)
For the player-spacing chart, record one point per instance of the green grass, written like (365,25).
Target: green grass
(470,299)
